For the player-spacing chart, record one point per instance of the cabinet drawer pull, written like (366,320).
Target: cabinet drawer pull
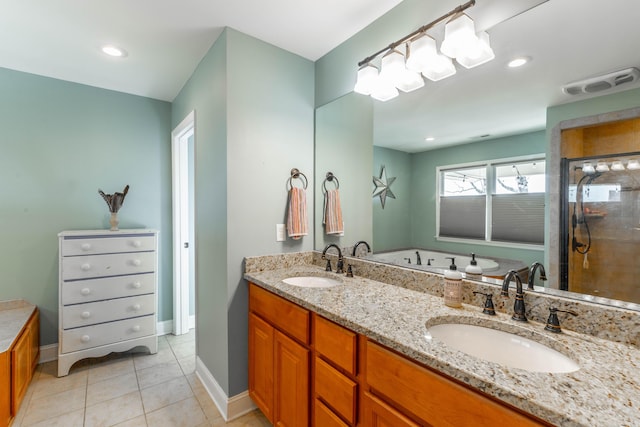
(136,285)
(85,246)
(136,262)
(137,243)
(136,307)
(86,314)
(85,291)
(136,328)
(85,267)
(85,338)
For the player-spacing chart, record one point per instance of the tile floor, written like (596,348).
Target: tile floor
(127,390)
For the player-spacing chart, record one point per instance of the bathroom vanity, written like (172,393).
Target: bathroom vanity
(359,353)
(19,354)
(108,287)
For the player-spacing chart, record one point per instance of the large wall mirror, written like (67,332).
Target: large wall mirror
(510,109)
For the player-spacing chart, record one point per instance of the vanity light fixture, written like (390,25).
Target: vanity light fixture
(617,166)
(633,165)
(602,167)
(588,169)
(114,51)
(406,61)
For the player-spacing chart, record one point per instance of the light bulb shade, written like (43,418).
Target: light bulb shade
(602,167)
(392,67)
(367,79)
(482,54)
(633,165)
(459,37)
(617,166)
(439,68)
(420,53)
(384,90)
(410,81)
(588,169)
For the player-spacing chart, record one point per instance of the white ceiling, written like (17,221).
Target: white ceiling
(567,39)
(165,39)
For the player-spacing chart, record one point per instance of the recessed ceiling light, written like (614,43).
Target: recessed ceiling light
(112,50)
(518,62)
(429,138)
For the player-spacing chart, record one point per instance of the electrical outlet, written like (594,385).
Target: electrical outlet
(280,233)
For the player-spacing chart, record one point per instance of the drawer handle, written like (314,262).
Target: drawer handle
(136,285)
(136,262)
(86,314)
(85,267)
(85,291)
(137,243)
(136,307)
(85,246)
(136,328)
(85,338)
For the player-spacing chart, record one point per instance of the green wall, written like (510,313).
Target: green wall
(250,132)
(60,143)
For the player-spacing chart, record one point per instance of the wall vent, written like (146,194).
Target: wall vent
(602,83)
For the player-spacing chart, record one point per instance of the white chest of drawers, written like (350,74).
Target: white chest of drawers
(107,293)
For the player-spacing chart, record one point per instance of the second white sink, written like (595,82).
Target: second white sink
(501,347)
(312,282)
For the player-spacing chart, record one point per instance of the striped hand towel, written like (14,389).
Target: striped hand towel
(297,213)
(332,218)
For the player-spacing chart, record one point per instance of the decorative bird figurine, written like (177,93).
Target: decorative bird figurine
(114,201)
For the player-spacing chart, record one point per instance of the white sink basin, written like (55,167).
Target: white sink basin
(312,282)
(501,347)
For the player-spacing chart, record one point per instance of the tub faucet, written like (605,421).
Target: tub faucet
(340,265)
(532,273)
(418,260)
(361,242)
(518,305)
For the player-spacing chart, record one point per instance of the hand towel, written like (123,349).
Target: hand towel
(297,213)
(332,218)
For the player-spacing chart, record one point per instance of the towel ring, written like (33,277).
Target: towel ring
(296,174)
(331,178)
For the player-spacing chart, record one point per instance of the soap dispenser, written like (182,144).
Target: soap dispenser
(453,285)
(473,270)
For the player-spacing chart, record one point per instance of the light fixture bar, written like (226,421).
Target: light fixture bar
(420,30)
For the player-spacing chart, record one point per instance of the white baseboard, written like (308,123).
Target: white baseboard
(192,321)
(48,353)
(165,327)
(230,408)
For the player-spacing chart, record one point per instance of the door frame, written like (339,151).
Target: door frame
(180,198)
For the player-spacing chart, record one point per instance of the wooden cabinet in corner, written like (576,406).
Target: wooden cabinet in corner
(279,358)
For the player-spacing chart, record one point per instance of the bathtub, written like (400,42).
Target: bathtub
(432,260)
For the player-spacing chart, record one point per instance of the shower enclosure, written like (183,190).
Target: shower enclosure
(600,220)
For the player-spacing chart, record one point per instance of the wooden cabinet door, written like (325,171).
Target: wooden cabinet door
(376,413)
(291,382)
(5,388)
(20,369)
(34,340)
(261,364)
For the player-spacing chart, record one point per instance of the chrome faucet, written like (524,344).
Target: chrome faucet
(532,273)
(340,265)
(361,242)
(518,305)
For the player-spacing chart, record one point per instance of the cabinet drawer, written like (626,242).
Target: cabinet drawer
(81,291)
(338,391)
(74,316)
(83,267)
(284,315)
(81,245)
(432,397)
(335,343)
(324,417)
(107,333)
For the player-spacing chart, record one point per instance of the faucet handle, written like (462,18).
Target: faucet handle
(328,267)
(340,266)
(553,324)
(349,271)
(488,303)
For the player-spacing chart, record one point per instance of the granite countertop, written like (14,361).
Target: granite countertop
(14,314)
(605,391)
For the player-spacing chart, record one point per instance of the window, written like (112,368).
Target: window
(497,201)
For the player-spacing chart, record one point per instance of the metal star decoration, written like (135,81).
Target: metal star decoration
(383,186)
